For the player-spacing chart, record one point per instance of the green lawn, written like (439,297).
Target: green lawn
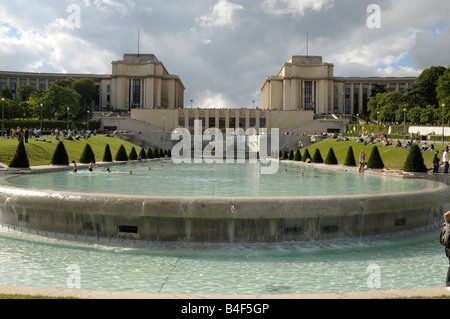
(41,153)
(393,158)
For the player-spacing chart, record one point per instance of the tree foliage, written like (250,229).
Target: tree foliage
(375,160)
(414,161)
(350,158)
(60,156)
(20,158)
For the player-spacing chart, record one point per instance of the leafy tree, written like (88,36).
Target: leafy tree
(378,88)
(121,155)
(297,156)
(331,158)
(156,153)
(107,157)
(88,155)
(60,156)
(414,161)
(443,90)
(6,93)
(86,89)
(57,99)
(317,158)
(350,158)
(427,83)
(20,158)
(375,160)
(25,92)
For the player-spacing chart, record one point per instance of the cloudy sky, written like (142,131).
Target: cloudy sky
(224,49)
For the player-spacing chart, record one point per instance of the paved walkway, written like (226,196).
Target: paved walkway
(84,294)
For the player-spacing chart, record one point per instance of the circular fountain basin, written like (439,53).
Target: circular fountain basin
(161,201)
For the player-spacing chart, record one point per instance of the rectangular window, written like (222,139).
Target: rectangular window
(33,85)
(242,122)
(252,122)
(181,122)
(262,122)
(347,100)
(365,100)
(309,95)
(136,94)
(202,119)
(108,88)
(222,123)
(232,123)
(42,87)
(3,85)
(191,122)
(13,87)
(212,122)
(356,101)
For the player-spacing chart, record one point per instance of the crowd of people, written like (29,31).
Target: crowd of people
(24,132)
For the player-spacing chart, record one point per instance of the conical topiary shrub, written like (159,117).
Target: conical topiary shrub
(156,153)
(60,156)
(150,154)
(133,154)
(88,155)
(291,155)
(20,158)
(317,158)
(375,160)
(331,158)
(107,156)
(169,153)
(142,154)
(350,158)
(121,155)
(297,156)
(306,155)
(414,161)
(285,155)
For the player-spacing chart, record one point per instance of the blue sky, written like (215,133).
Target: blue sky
(224,49)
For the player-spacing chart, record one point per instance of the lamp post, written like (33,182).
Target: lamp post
(443,119)
(378,123)
(3,114)
(87,125)
(67,120)
(41,118)
(404,124)
(357,125)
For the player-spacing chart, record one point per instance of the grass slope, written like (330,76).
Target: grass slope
(40,153)
(393,158)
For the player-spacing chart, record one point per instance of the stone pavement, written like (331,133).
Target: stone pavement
(84,294)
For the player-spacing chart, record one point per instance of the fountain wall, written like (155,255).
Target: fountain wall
(221,219)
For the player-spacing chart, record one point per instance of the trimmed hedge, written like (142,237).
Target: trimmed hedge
(331,158)
(107,156)
(121,155)
(150,154)
(414,161)
(297,156)
(60,156)
(306,155)
(142,154)
(20,158)
(317,158)
(375,160)
(88,155)
(350,158)
(133,155)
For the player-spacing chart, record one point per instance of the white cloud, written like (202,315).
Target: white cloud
(294,7)
(221,15)
(213,100)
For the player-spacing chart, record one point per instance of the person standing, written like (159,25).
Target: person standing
(362,161)
(436,162)
(444,235)
(445,160)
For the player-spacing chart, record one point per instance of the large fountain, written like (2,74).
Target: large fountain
(160,201)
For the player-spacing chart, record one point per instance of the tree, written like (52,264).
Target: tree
(20,158)
(317,158)
(331,158)
(86,89)
(297,156)
(107,157)
(57,99)
(350,158)
(427,83)
(133,155)
(306,155)
(142,154)
(121,155)
(443,89)
(25,92)
(60,156)
(88,155)
(156,153)
(414,161)
(375,160)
